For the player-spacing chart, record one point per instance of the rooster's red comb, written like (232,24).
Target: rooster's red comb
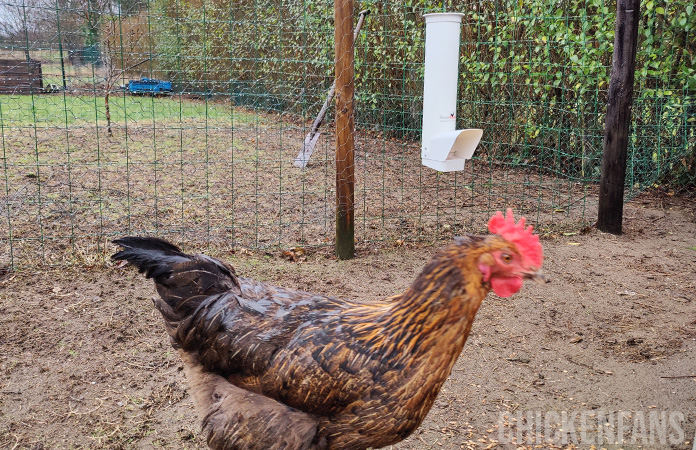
(527,243)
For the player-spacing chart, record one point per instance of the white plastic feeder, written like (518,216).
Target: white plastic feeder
(443,148)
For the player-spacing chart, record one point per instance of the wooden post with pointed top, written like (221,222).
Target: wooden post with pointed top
(618,120)
(345,128)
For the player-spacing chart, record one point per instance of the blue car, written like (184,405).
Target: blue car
(149,86)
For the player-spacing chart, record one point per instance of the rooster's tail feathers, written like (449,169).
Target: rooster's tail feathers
(152,256)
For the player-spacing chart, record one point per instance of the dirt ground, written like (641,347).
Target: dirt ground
(85,362)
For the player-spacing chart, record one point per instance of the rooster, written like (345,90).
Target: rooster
(272,368)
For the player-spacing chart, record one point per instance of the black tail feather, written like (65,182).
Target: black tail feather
(152,256)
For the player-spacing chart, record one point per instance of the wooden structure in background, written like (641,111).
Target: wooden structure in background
(18,76)
(618,121)
(345,129)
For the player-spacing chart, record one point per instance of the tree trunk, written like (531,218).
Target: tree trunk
(618,120)
(107,112)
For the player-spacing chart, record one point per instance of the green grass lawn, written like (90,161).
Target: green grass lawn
(56,110)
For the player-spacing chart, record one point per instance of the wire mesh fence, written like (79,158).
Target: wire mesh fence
(93,148)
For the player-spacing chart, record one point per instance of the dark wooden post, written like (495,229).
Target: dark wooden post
(618,121)
(345,127)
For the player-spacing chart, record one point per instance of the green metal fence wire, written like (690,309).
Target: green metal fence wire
(210,164)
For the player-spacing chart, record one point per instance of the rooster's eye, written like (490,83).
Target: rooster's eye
(506,257)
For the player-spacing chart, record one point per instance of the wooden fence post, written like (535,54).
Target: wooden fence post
(618,120)
(345,127)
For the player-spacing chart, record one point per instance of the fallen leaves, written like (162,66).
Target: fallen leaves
(627,293)
(295,254)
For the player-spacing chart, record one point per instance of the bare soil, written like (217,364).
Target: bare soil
(85,362)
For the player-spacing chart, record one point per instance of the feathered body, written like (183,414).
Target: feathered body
(272,368)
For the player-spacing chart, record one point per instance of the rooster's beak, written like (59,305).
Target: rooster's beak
(536,276)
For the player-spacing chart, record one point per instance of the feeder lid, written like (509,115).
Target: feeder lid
(443,17)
